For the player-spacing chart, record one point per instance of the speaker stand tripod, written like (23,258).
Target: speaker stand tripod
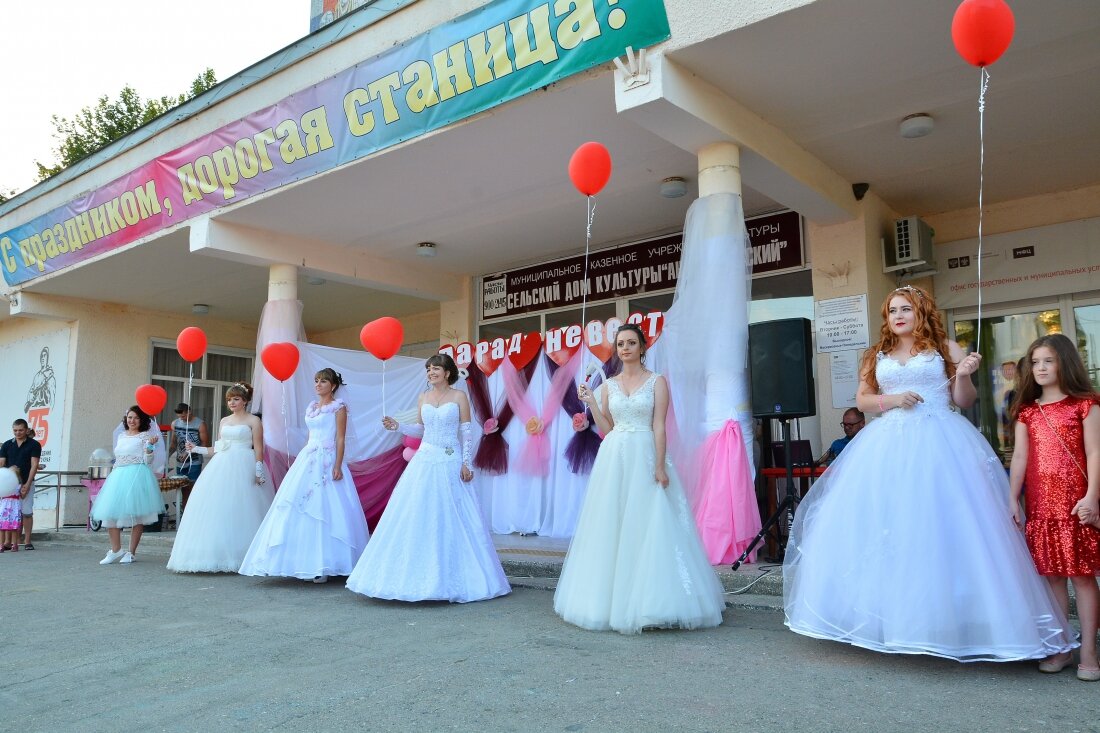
(785,510)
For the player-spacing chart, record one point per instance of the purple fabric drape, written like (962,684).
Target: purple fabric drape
(492,451)
(581,450)
(374,481)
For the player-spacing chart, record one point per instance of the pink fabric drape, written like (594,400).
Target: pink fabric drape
(727,515)
(534,459)
(375,479)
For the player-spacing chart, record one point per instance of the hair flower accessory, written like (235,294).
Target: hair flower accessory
(490,426)
(580,422)
(533,426)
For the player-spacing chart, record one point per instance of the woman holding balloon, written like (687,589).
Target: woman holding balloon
(130,496)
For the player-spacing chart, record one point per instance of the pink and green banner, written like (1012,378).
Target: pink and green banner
(490,56)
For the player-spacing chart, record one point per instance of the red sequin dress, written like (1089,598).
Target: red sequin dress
(1053,485)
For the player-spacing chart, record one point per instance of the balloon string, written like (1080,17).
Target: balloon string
(984,84)
(384,389)
(286,426)
(584,282)
(187,399)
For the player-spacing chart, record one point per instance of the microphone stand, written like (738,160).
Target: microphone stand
(786,506)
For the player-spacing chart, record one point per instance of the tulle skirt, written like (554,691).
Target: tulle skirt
(225,509)
(129,496)
(431,542)
(315,525)
(906,545)
(636,560)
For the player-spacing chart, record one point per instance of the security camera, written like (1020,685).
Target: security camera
(859,190)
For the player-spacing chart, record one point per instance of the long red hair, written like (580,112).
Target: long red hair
(928,333)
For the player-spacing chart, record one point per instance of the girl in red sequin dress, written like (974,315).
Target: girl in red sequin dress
(1057,455)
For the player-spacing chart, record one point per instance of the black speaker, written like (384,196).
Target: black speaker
(782,369)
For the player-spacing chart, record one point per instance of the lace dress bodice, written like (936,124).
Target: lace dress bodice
(924,374)
(441,425)
(130,449)
(632,413)
(234,437)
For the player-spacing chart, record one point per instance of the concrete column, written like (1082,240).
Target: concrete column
(456,317)
(282,282)
(719,169)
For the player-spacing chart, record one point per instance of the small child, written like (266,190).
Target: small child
(1057,451)
(11,513)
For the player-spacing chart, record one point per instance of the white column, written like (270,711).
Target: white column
(719,169)
(282,282)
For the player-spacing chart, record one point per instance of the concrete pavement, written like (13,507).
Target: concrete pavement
(137,648)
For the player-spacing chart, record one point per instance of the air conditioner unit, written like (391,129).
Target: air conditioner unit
(910,248)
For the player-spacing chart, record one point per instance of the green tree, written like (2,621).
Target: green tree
(97,126)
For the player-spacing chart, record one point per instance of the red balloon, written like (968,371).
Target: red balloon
(150,398)
(590,168)
(191,343)
(280,360)
(382,337)
(982,30)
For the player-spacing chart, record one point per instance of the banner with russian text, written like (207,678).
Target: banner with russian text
(492,55)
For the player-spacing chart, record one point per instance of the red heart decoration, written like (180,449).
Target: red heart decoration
(562,343)
(464,355)
(489,355)
(652,324)
(595,338)
(522,348)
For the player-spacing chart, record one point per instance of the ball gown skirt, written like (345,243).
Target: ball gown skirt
(906,545)
(315,526)
(432,542)
(129,496)
(225,509)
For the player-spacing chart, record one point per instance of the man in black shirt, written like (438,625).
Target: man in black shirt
(23,452)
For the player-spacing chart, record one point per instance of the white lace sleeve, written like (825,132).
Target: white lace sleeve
(466,432)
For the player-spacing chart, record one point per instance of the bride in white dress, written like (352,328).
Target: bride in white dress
(230,497)
(431,543)
(316,526)
(906,545)
(636,560)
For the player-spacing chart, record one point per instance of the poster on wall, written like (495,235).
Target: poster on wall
(842,324)
(35,369)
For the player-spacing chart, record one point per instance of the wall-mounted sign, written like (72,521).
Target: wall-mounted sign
(842,324)
(775,241)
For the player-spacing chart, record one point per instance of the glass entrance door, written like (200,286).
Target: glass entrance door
(1005,339)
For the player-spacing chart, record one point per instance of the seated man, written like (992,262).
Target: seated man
(852,422)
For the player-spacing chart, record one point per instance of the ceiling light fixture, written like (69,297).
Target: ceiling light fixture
(426,249)
(917,125)
(316,280)
(673,187)
(200,309)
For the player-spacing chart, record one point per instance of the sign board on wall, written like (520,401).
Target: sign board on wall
(842,324)
(1030,263)
(776,243)
(844,371)
(35,370)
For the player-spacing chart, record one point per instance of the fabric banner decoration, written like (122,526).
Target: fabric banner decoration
(708,372)
(585,444)
(489,56)
(535,458)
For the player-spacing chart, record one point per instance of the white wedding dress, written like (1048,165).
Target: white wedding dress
(906,545)
(316,526)
(224,510)
(431,543)
(636,560)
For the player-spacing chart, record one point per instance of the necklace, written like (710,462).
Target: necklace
(439,399)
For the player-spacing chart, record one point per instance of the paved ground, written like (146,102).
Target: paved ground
(137,648)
